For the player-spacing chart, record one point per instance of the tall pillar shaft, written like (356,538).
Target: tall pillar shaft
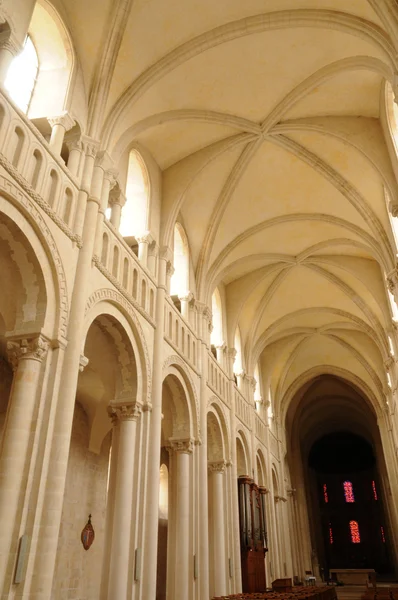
(59,126)
(26,356)
(218,525)
(182,449)
(203,479)
(152,499)
(123,501)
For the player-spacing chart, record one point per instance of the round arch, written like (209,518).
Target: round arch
(243,462)
(218,446)
(175,367)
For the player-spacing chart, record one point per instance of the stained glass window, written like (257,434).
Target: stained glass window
(348,491)
(374,490)
(355,535)
(330,534)
(383,537)
(325,493)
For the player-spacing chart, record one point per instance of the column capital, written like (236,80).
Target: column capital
(181,446)
(9,42)
(217,466)
(124,411)
(34,348)
(145,238)
(186,297)
(83,362)
(263,490)
(204,310)
(292,492)
(231,353)
(64,119)
(389,362)
(90,146)
(104,161)
(251,381)
(116,196)
(393,208)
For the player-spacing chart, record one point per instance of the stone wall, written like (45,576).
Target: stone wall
(78,572)
(5,388)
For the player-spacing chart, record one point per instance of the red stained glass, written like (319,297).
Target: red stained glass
(348,491)
(374,490)
(355,535)
(330,534)
(325,493)
(383,537)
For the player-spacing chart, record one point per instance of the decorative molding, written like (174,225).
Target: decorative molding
(97,262)
(108,295)
(15,174)
(26,348)
(11,190)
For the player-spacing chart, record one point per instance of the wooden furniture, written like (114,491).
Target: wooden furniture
(253,534)
(353,576)
(282,585)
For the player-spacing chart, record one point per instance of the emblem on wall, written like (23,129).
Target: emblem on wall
(88,534)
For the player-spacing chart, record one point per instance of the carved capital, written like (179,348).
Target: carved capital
(64,119)
(25,348)
(124,412)
(182,446)
(217,466)
(116,196)
(111,175)
(145,238)
(83,362)
(393,208)
(103,160)
(389,362)
(251,381)
(187,297)
(263,490)
(90,146)
(9,42)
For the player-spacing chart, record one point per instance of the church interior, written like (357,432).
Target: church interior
(199,298)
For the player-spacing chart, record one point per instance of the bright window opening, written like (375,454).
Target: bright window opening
(22,74)
(179,283)
(354,531)
(348,491)
(135,211)
(216,336)
(238,365)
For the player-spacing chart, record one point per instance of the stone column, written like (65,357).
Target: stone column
(231,354)
(182,450)
(120,563)
(217,470)
(203,325)
(144,241)
(65,402)
(26,356)
(153,460)
(108,183)
(186,300)
(75,148)
(116,200)
(9,48)
(220,350)
(110,504)
(59,126)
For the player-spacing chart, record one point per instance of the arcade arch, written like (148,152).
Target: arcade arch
(330,407)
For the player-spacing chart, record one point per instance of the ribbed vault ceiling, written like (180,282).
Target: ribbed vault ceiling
(265,118)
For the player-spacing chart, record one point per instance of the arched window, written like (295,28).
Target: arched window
(135,211)
(325,493)
(257,389)
(179,284)
(374,490)
(22,74)
(354,532)
(238,364)
(348,491)
(216,336)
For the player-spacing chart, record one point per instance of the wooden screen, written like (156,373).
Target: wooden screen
(253,534)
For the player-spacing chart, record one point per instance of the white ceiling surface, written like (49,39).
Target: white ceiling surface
(264,117)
